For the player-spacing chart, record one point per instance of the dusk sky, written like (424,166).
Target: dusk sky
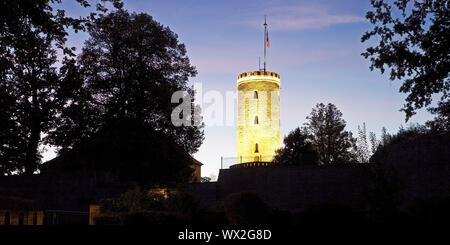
(314,45)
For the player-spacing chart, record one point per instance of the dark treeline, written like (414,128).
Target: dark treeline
(127,70)
(412,43)
(324,140)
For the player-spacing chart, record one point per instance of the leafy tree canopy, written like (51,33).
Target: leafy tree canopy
(413,43)
(441,121)
(326,129)
(29,76)
(297,150)
(31,34)
(129,68)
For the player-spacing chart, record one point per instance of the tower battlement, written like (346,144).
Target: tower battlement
(258,74)
(258,128)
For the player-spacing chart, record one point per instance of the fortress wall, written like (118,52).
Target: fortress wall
(419,167)
(295,188)
(62,191)
(205,192)
(415,169)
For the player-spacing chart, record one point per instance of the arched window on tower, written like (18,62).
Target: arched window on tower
(256,148)
(255,95)
(256,120)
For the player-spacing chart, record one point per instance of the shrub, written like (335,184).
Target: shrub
(246,208)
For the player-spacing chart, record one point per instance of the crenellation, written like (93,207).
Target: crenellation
(263,133)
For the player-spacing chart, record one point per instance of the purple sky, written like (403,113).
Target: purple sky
(314,45)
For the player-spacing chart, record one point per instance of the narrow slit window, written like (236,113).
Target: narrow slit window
(7,218)
(21,218)
(256,148)
(256,120)
(255,95)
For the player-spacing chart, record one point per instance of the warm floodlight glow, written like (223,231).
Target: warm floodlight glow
(258,116)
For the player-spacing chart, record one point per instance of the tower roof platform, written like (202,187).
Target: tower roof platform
(258,75)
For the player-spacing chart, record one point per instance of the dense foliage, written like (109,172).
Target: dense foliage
(322,140)
(326,129)
(128,69)
(413,44)
(297,150)
(31,32)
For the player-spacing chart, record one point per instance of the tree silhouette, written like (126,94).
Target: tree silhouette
(374,142)
(411,131)
(385,136)
(32,79)
(30,34)
(297,150)
(362,145)
(441,121)
(45,19)
(11,141)
(413,44)
(131,150)
(81,116)
(130,67)
(326,129)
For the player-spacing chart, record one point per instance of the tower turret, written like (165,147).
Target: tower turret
(258,116)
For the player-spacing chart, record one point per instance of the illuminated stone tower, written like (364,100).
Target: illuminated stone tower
(258,113)
(258,116)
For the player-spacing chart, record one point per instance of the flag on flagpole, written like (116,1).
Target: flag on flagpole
(267,38)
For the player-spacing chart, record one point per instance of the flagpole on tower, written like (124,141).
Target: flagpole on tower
(265,43)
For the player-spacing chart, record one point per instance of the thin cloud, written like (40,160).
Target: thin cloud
(302,18)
